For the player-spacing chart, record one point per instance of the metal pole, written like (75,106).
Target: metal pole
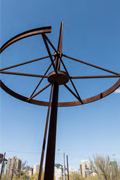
(45,136)
(50,155)
(67,166)
(64,165)
(2,166)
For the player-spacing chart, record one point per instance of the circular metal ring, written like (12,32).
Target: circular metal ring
(45,103)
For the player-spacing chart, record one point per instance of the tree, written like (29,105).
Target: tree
(23,176)
(22,173)
(5,177)
(34,176)
(105,168)
(91,177)
(75,176)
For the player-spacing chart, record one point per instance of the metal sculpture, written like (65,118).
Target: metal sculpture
(55,79)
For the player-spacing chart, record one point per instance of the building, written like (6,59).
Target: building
(3,166)
(88,171)
(58,173)
(36,168)
(71,171)
(85,168)
(13,166)
(30,172)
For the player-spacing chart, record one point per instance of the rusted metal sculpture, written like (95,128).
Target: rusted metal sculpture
(55,79)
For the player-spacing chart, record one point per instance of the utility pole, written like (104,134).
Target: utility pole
(67,167)
(64,164)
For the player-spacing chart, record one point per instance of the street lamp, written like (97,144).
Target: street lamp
(63,162)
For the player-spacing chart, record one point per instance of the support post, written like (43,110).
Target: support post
(50,155)
(67,167)
(64,165)
(45,136)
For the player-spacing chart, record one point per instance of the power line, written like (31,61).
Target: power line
(23,151)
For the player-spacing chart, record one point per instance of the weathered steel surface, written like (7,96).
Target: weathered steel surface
(25,34)
(58,54)
(61,77)
(61,104)
(50,154)
(45,137)
(89,64)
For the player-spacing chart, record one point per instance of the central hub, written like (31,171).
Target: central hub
(61,77)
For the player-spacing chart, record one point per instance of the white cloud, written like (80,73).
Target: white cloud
(117,90)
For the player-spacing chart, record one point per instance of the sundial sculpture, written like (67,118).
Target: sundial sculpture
(55,79)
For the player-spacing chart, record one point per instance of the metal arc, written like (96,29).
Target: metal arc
(61,104)
(25,34)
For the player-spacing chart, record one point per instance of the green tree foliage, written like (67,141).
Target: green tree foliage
(23,175)
(35,176)
(75,176)
(5,177)
(91,177)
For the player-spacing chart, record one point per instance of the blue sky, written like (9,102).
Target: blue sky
(92,33)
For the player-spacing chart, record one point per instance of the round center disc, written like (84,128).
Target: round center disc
(60,78)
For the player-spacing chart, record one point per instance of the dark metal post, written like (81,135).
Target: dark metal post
(45,136)
(67,167)
(2,166)
(50,156)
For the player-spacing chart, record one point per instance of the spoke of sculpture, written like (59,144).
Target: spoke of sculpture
(45,135)
(50,43)
(72,82)
(39,92)
(71,91)
(89,64)
(59,48)
(100,76)
(60,38)
(23,74)
(16,65)
(41,80)
(48,50)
